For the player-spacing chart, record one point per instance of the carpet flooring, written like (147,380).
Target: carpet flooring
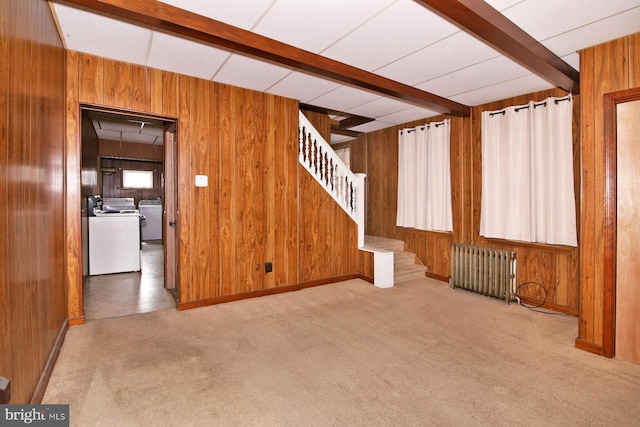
(345,354)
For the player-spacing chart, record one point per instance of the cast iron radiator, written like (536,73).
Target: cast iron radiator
(487,271)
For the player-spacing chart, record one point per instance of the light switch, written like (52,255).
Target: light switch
(202,181)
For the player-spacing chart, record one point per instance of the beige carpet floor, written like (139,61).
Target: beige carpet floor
(346,354)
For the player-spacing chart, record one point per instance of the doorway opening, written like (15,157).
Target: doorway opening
(621,302)
(128,205)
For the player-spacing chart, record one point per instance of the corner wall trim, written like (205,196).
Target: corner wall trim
(75,321)
(41,387)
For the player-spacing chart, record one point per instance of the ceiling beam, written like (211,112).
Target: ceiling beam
(162,16)
(491,27)
(349,120)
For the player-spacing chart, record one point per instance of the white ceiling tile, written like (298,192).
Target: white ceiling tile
(598,32)
(523,85)
(487,73)
(547,18)
(243,14)
(183,56)
(409,115)
(343,98)
(250,73)
(102,36)
(372,126)
(451,54)
(335,138)
(399,30)
(314,25)
(302,87)
(379,107)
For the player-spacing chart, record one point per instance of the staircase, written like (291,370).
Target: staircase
(346,188)
(405,264)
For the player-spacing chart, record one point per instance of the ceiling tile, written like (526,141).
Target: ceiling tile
(184,56)
(243,14)
(399,30)
(451,54)
(487,73)
(302,87)
(371,126)
(250,73)
(547,18)
(344,98)
(521,86)
(408,115)
(102,36)
(595,33)
(315,25)
(379,107)
(339,138)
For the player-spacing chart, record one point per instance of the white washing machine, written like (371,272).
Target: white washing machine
(151,210)
(114,240)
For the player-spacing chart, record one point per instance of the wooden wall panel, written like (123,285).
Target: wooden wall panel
(32,292)
(227,190)
(91,77)
(605,68)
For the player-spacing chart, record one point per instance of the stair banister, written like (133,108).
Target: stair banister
(346,188)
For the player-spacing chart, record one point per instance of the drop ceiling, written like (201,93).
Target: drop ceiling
(401,40)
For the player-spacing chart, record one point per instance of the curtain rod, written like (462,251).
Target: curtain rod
(422,127)
(539,104)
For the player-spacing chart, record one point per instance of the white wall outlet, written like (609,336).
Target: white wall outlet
(202,181)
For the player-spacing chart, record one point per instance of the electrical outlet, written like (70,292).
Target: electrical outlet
(268,267)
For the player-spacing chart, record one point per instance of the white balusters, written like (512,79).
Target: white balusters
(317,156)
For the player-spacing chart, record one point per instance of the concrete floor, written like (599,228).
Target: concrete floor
(122,294)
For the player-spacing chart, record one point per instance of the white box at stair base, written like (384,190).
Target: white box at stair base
(383,269)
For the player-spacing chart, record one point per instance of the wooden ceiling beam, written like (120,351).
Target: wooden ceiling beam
(491,27)
(162,16)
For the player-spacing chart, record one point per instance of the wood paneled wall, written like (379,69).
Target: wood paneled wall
(32,293)
(556,268)
(433,249)
(256,208)
(605,68)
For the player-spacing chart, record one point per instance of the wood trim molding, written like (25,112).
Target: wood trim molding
(589,346)
(41,387)
(610,101)
(76,321)
(437,277)
(271,291)
(488,25)
(183,23)
(547,305)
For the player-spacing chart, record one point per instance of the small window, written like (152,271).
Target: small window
(137,179)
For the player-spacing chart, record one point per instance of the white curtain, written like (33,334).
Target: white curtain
(424,177)
(527,173)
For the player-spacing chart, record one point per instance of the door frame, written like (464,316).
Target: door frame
(172,176)
(611,101)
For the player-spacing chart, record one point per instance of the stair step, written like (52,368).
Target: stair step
(407,273)
(405,264)
(404,258)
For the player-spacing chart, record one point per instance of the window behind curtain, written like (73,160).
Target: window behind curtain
(424,177)
(527,173)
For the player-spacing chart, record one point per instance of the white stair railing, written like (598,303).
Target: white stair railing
(346,188)
(321,161)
